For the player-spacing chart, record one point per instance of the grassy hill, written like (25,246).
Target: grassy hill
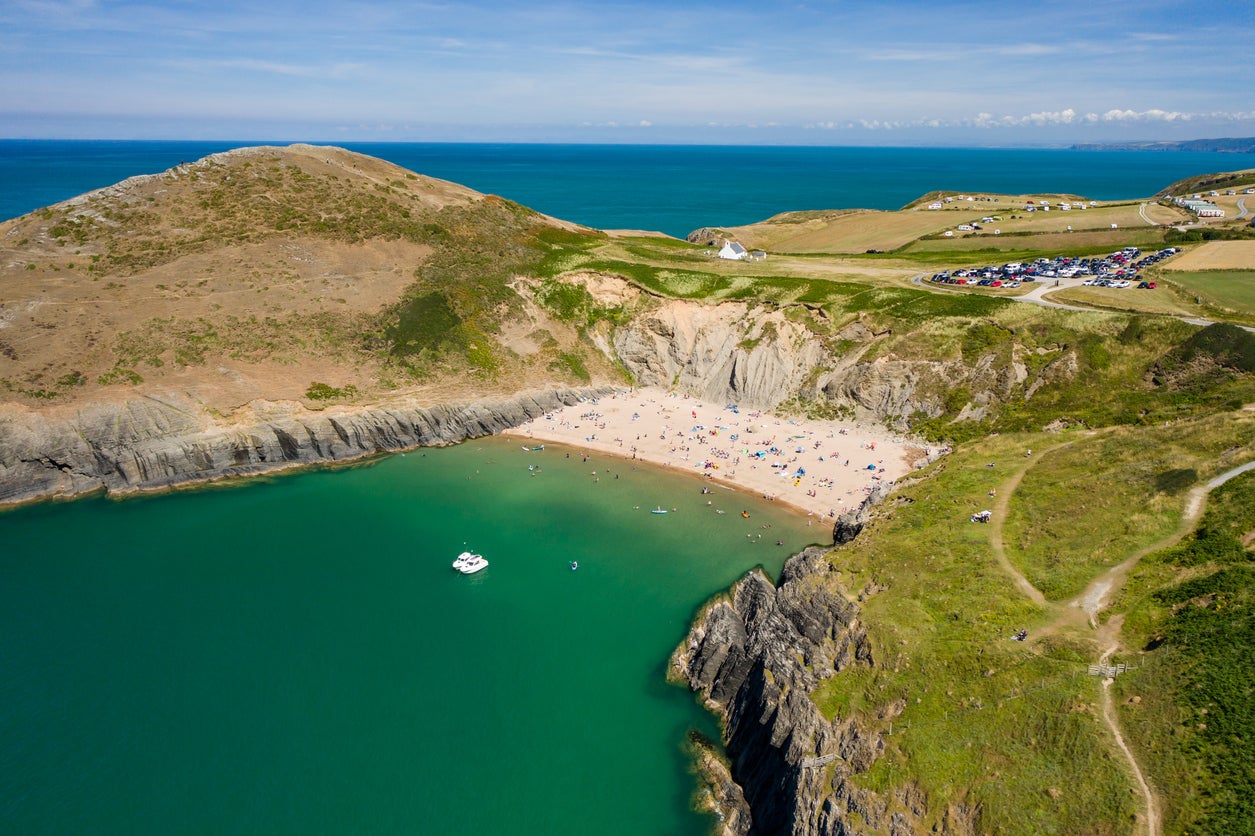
(271,269)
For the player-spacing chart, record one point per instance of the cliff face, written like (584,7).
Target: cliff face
(755,656)
(721,352)
(150,443)
(757,357)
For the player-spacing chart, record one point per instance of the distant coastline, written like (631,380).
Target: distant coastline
(1225,145)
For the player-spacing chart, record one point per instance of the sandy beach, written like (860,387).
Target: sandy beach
(823,468)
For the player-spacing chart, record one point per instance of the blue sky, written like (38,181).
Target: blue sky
(901,72)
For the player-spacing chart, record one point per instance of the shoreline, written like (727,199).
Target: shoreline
(820,468)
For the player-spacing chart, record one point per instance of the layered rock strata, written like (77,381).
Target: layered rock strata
(755,655)
(149,443)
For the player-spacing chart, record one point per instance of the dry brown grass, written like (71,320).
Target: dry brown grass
(840,232)
(859,230)
(1215,255)
(1158,301)
(261,270)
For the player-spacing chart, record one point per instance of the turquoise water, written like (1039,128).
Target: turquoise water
(675,189)
(297,655)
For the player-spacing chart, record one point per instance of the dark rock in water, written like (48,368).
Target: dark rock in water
(755,655)
(150,443)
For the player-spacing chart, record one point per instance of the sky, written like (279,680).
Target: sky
(821,72)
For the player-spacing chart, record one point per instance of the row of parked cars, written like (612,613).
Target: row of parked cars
(1120,269)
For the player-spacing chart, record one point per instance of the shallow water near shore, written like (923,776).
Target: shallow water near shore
(297,655)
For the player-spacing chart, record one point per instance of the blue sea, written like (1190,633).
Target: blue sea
(295,654)
(672,189)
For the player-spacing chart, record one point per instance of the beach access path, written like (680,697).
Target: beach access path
(823,468)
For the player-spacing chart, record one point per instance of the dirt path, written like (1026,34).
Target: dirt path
(1151,817)
(1097,596)
(996,525)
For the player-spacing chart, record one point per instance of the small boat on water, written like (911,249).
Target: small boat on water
(658,510)
(575,564)
(534,449)
(469,564)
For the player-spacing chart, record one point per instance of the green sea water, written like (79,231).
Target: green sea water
(296,655)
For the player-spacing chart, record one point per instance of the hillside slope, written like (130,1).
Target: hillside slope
(263,271)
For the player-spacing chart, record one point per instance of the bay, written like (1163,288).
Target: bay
(297,655)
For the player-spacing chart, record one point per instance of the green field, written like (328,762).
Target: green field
(1234,289)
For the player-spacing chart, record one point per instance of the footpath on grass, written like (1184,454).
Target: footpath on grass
(1096,598)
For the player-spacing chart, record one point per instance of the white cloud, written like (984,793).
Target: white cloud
(1042,118)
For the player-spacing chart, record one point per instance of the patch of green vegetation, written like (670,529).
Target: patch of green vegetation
(119,374)
(1189,709)
(571,363)
(325,392)
(463,289)
(982,337)
(1011,727)
(1087,506)
(424,323)
(1207,359)
(1225,533)
(573,303)
(1208,233)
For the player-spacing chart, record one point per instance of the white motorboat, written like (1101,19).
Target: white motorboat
(469,564)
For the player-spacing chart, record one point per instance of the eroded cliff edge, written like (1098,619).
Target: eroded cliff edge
(755,655)
(151,443)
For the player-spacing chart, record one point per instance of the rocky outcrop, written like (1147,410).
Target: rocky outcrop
(153,443)
(850,524)
(707,236)
(754,656)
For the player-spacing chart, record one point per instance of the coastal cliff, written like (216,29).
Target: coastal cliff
(759,357)
(755,655)
(151,443)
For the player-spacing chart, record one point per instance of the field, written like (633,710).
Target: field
(1158,301)
(920,229)
(1216,255)
(844,232)
(1085,507)
(1231,289)
(1080,242)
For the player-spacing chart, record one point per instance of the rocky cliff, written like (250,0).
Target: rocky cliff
(152,443)
(755,655)
(763,356)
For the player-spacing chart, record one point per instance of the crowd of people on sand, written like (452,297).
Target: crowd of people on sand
(823,467)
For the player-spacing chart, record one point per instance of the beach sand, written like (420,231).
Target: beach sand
(822,468)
